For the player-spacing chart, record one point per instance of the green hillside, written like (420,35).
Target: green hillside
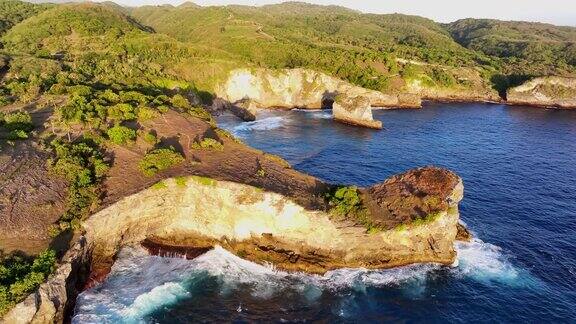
(196,46)
(532,48)
(13,12)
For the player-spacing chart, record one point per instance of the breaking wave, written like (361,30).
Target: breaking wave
(267,123)
(140,284)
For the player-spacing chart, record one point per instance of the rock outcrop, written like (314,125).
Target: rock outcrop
(300,88)
(470,87)
(355,111)
(56,297)
(559,92)
(268,227)
(246,109)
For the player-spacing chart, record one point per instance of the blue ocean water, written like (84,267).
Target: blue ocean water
(519,170)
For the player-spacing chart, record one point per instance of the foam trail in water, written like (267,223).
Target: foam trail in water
(486,263)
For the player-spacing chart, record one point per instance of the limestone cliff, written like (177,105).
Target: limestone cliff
(299,88)
(557,92)
(416,214)
(469,86)
(265,226)
(55,298)
(355,111)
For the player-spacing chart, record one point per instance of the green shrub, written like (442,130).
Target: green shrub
(224,133)
(83,166)
(20,276)
(17,134)
(181,181)
(149,137)
(159,185)
(19,124)
(122,111)
(179,101)
(158,160)
(261,173)
(205,181)
(121,134)
(146,113)
(345,202)
(208,144)
(201,113)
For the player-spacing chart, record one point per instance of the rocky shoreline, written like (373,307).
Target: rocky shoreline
(252,203)
(414,218)
(246,91)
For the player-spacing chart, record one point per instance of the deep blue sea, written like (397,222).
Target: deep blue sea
(519,171)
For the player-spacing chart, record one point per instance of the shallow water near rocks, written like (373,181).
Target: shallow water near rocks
(519,170)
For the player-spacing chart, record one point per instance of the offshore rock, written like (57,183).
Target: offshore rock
(553,91)
(355,111)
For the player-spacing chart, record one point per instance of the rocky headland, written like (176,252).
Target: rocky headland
(559,92)
(227,194)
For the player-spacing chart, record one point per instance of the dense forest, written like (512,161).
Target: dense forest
(101,69)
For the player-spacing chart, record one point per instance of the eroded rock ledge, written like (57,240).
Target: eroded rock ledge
(415,214)
(419,223)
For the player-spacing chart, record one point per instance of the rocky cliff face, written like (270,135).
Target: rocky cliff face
(268,227)
(546,91)
(54,298)
(471,86)
(355,111)
(299,88)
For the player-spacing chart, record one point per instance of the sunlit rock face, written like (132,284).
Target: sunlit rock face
(266,227)
(354,111)
(299,88)
(546,91)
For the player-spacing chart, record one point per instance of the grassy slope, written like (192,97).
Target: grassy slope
(13,12)
(526,47)
(361,48)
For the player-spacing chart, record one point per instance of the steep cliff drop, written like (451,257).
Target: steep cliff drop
(556,92)
(354,111)
(247,89)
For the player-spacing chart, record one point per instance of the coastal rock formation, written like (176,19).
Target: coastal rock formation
(299,88)
(553,91)
(54,298)
(268,227)
(246,109)
(355,111)
(469,86)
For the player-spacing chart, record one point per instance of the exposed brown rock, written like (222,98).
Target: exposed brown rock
(463,234)
(245,109)
(413,195)
(236,162)
(30,198)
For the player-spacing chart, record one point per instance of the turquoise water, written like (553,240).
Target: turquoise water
(519,170)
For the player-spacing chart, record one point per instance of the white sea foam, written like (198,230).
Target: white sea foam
(487,263)
(140,284)
(316,114)
(267,123)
